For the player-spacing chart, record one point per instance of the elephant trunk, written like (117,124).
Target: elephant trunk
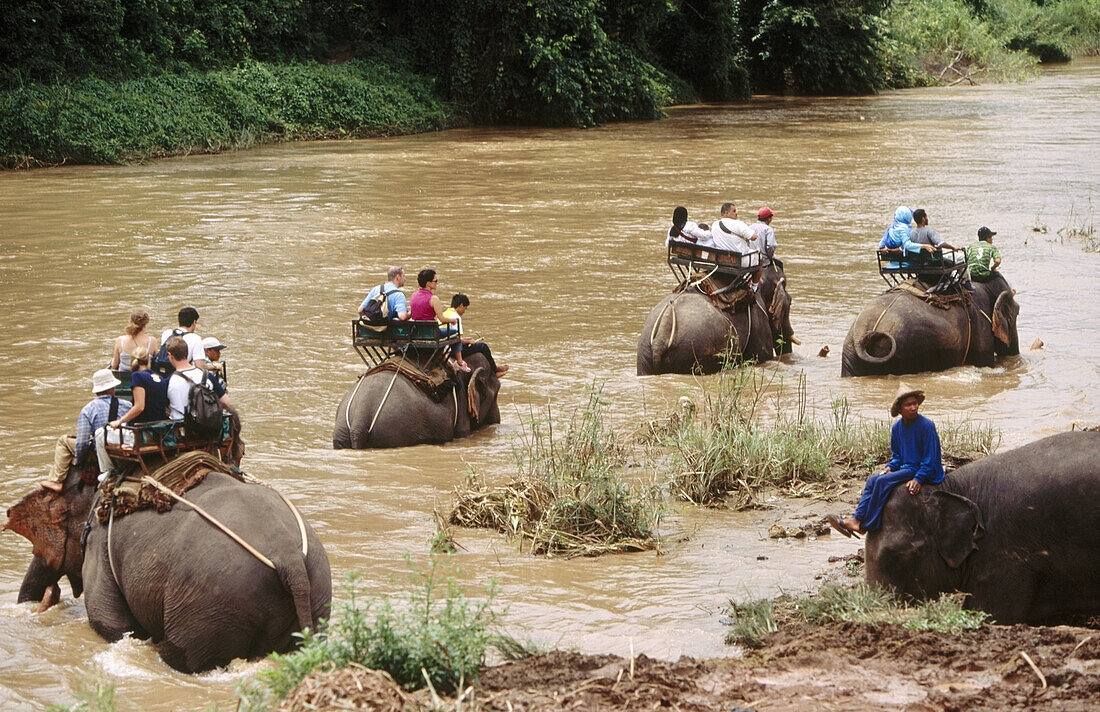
(876,347)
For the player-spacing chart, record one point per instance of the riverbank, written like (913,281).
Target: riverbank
(95,121)
(851,666)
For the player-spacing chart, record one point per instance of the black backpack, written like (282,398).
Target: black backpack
(377,310)
(203,417)
(161,363)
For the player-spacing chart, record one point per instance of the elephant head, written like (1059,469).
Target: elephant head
(924,540)
(1006,342)
(53,523)
(481,393)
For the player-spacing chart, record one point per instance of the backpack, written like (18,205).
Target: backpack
(161,363)
(203,416)
(377,311)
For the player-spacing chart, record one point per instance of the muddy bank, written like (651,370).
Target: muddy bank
(802,667)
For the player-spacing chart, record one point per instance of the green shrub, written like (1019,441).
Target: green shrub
(94,121)
(92,695)
(437,630)
(687,41)
(1079,21)
(945,615)
(748,623)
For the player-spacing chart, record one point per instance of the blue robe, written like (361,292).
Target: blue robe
(915,454)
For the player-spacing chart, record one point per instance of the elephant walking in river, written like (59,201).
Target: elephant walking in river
(1018,532)
(687,332)
(387,409)
(174,577)
(905,331)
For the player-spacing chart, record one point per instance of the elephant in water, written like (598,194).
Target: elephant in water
(899,332)
(1017,532)
(174,577)
(687,333)
(386,409)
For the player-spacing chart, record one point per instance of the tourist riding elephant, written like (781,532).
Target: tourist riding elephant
(687,333)
(173,576)
(1018,532)
(386,409)
(900,332)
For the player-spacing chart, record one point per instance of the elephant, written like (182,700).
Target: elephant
(386,409)
(687,333)
(899,332)
(1018,532)
(173,577)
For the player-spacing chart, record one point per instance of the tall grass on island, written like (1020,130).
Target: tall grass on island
(749,623)
(566,497)
(95,121)
(436,637)
(753,435)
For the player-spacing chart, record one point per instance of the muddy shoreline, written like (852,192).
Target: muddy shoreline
(849,666)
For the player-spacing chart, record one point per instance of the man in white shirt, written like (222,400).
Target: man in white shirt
(188,317)
(179,385)
(732,234)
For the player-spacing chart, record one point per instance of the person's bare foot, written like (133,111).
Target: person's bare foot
(52,485)
(501,370)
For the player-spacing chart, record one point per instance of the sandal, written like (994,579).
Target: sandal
(837,523)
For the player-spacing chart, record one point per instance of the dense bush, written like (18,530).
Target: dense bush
(94,121)
(697,40)
(814,46)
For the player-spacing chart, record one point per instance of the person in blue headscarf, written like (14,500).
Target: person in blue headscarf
(895,241)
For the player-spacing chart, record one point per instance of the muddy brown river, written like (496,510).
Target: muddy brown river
(556,235)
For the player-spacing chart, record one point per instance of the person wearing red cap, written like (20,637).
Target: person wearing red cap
(765,235)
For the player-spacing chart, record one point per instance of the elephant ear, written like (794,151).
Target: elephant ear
(473,393)
(777,310)
(958,527)
(1005,311)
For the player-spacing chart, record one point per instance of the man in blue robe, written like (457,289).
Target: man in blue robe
(915,460)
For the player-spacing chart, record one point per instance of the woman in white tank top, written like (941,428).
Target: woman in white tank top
(134,337)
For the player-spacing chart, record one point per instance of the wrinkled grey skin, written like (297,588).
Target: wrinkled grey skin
(1018,532)
(180,581)
(686,333)
(898,332)
(411,417)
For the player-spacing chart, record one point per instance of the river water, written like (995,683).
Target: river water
(556,236)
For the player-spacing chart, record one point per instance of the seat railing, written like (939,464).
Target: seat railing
(150,445)
(420,341)
(940,269)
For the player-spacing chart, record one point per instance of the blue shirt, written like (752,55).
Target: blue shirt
(917,446)
(156,395)
(394,297)
(897,235)
(93,417)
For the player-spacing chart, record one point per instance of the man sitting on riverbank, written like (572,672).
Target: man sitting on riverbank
(915,460)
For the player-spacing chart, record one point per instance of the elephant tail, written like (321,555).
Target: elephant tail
(663,333)
(295,580)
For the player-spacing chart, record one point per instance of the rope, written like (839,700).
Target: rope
(384,399)
(968,330)
(454,394)
(657,321)
(347,420)
(697,282)
(672,331)
(888,306)
(208,517)
(294,510)
(110,556)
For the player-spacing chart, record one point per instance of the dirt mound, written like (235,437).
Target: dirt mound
(849,666)
(352,688)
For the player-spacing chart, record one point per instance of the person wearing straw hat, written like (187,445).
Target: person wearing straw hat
(93,416)
(915,460)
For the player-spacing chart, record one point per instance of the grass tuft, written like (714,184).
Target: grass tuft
(566,497)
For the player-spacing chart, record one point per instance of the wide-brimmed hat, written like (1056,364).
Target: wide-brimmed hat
(104,380)
(904,391)
(211,343)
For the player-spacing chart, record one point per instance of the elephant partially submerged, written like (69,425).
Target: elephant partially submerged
(387,409)
(902,331)
(174,577)
(1018,532)
(687,332)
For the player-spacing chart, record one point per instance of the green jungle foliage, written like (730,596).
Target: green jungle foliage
(95,121)
(117,80)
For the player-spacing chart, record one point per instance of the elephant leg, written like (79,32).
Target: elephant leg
(108,613)
(1006,595)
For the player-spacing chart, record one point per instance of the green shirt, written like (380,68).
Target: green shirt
(979,256)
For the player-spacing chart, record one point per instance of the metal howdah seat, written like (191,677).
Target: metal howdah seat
(942,268)
(123,390)
(419,341)
(687,260)
(157,443)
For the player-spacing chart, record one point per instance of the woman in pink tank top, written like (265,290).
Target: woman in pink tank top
(425,305)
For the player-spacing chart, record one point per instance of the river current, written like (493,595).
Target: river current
(556,235)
